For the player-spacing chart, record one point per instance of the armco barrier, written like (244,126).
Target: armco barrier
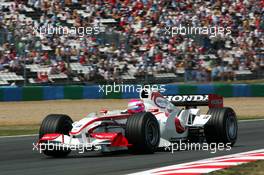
(34,93)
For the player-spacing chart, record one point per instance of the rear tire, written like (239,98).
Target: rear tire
(222,126)
(143,132)
(56,123)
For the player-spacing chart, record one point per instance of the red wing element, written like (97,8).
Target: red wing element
(120,140)
(215,101)
(117,139)
(179,128)
(49,137)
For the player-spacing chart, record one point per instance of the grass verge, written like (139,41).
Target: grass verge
(249,117)
(253,168)
(18,130)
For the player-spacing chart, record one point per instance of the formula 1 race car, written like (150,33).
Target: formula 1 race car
(148,123)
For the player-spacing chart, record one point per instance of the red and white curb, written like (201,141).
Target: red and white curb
(207,165)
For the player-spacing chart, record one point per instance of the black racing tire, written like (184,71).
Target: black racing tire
(194,136)
(222,126)
(56,123)
(143,132)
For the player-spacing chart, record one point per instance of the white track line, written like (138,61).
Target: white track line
(211,163)
(251,120)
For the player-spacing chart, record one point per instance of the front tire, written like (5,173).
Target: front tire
(56,123)
(222,126)
(143,132)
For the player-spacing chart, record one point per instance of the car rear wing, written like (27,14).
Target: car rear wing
(211,100)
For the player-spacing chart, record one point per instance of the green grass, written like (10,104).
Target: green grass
(18,130)
(253,168)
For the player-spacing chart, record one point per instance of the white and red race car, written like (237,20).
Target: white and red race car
(148,123)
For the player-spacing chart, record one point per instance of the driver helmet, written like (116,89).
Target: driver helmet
(135,106)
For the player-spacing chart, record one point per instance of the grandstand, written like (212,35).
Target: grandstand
(131,45)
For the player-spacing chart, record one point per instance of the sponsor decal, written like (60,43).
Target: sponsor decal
(190,98)
(216,102)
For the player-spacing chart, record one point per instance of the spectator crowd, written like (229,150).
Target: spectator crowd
(140,44)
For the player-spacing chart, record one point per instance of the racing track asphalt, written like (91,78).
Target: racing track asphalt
(17,157)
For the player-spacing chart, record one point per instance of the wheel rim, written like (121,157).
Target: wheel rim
(231,127)
(151,133)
